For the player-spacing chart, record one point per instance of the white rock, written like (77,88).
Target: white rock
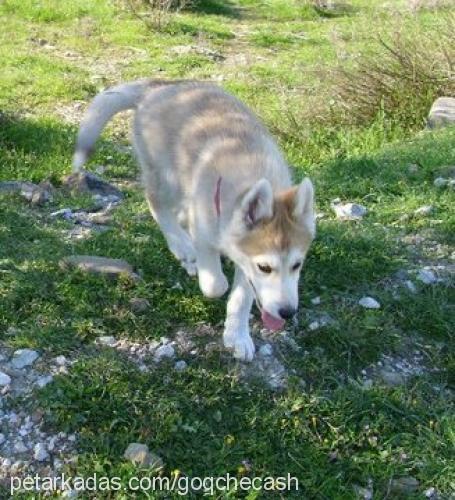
(108,340)
(430,492)
(265,350)
(70,493)
(410,286)
(164,351)
(369,303)
(140,454)
(348,211)
(424,211)
(440,182)
(19,447)
(40,452)
(180,366)
(316,301)
(24,357)
(2,438)
(314,325)
(44,380)
(5,379)
(426,276)
(61,360)
(66,213)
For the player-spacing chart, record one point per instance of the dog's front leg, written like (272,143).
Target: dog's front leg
(236,327)
(212,281)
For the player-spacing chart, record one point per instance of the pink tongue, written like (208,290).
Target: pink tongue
(271,322)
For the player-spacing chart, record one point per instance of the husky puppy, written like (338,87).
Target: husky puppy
(216,184)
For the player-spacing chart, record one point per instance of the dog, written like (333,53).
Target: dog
(216,184)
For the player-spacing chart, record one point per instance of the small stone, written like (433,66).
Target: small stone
(369,303)
(99,265)
(61,360)
(40,452)
(23,358)
(392,378)
(19,447)
(430,492)
(2,438)
(424,211)
(64,213)
(70,493)
(404,485)
(367,384)
(316,301)
(5,379)
(139,306)
(44,380)
(265,350)
(413,168)
(410,286)
(314,325)
(180,365)
(139,454)
(426,276)
(440,182)
(107,340)
(442,112)
(87,182)
(164,351)
(348,211)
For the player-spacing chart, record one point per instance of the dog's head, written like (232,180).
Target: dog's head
(269,238)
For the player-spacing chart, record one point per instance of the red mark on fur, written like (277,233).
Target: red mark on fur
(217,197)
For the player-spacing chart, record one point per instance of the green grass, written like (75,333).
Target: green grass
(376,434)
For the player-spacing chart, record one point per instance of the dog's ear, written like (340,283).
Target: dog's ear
(304,205)
(257,203)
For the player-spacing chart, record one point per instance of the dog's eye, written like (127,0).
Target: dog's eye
(264,268)
(296,266)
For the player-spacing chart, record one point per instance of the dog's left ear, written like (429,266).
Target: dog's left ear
(304,205)
(257,203)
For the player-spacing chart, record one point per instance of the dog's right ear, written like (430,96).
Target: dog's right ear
(257,203)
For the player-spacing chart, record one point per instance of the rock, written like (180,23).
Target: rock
(40,452)
(316,301)
(70,494)
(348,211)
(139,454)
(194,49)
(430,492)
(391,377)
(2,438)
(65,213)
(413,169)
(164,351)
(23,358)
(44,380)
(61,360)
(180,366)
(107,340)
(410,286)
(442,113)
(369,303)
(404,485)
(314,325)
(424,211)
(19,447)
(427,276)
(5,379)
(87,182)
(99,265)
(265,350)
(138,305)
(34,193)
(440,182)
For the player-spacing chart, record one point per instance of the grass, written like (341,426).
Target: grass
(325,428)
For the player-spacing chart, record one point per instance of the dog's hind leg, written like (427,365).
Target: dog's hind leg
(236,334)
(178,240)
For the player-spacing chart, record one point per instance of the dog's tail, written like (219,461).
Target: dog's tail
(103,107)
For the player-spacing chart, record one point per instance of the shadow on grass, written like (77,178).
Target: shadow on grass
(215,7)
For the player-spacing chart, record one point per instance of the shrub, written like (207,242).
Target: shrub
(155,13)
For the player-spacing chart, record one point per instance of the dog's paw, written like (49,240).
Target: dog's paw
(241,343)
(212,285)
(183,250)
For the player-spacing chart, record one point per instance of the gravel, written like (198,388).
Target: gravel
(369,303)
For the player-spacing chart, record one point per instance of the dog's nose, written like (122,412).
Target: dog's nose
(287,312)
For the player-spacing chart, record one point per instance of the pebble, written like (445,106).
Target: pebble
(40,452)
(61,360)
(348,211)
(164,351)
(2,439)
(404,485)
(44,380)
(107,340)
(440,182)
(369,303)
(314,325)
(180,366)
(139,305)
(23,358)
(5,379)
(424,211)
(316,301)
(426,276)
(139,454)
(410,286)
(94,264)
(430,492)
(265,350)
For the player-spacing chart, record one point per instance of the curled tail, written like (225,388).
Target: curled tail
(103,107)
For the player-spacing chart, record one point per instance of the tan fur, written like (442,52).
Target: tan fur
(281,232)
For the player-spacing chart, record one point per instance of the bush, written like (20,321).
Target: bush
(155,13)
(401,79)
